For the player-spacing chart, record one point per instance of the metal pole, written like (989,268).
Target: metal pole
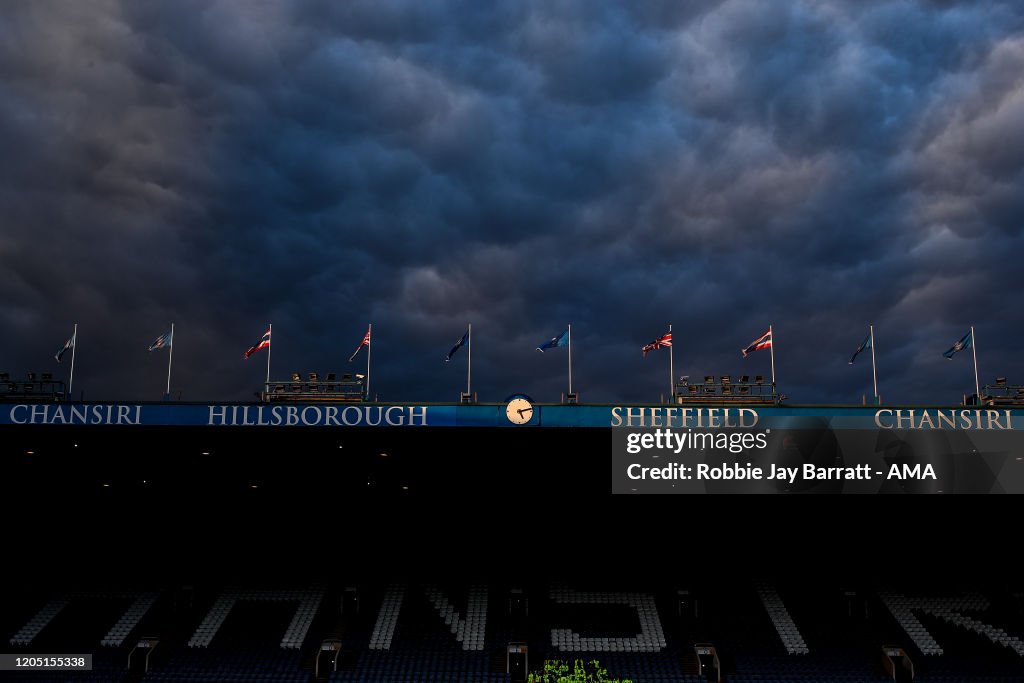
(771,333)
(671,370)
(369,348)
(74,345)
(270,346)
(977,384)
(874,371)
(570,358)
(170,356)
(469,364)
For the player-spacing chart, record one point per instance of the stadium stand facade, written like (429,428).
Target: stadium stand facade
(203,555)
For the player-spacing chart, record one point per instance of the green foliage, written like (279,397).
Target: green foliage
(559,671)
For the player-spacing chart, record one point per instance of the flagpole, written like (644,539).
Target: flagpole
(771,333)
(170,357)
(469,364)
(977,384)
(74,345)
(671,370)
(270,346)
(874,371)
(369,349)
(570,357)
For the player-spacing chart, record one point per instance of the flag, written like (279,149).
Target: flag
(555,342)
(664,340)
(365,342)
(263,344)
(864,346)
(457,346)
(163,341)
(762,342)
(68,345)
(966,342)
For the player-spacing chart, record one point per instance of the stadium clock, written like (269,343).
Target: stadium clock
(519,409)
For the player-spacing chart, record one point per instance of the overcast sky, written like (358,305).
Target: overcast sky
(720,166)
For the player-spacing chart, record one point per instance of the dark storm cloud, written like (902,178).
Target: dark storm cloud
(716,165)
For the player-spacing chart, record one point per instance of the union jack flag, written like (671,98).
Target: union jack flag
(762,342)
(163,341)
(365,342)
(664,340)
(264,343)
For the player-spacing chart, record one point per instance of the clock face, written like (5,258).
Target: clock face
(519,410)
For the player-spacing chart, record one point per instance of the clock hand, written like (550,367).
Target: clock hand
(524,410)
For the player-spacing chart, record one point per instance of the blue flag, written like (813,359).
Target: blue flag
(864,346)
(966,342)
(555,342)
(457,346)
(163,341)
